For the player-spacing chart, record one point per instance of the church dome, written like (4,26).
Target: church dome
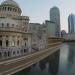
(10,7)
(7,22)
(10,2)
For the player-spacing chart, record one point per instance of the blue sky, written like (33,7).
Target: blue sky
(38,10)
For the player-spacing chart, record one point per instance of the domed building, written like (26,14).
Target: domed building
(15,40)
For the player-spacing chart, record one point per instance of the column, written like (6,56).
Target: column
(15,41)
(29,43)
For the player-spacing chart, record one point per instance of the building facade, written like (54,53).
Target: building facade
(50,28)
(39,36)
(55,17)
(15,40)
(71,23)
(63,33)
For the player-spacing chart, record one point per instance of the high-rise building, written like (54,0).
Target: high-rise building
(71,23)
(55,17)
(50,28)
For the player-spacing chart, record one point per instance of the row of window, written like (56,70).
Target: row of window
(22,51)
(7,43)
(8,54)
(8,9)
(8,25)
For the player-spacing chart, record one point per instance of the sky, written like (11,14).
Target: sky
(38,10)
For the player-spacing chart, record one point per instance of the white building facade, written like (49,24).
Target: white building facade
(15,40)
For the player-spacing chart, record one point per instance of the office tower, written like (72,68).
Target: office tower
(55,17)
(50,28)
(71,23)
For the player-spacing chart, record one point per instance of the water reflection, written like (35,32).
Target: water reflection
(54,64)
(24,72)
(42,65)
(71,55)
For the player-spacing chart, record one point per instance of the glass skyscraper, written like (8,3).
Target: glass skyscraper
(55,17)
(71,23)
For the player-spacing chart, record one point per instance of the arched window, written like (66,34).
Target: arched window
(0,54)
(25,44)
(8,53)
(25,38)
(7,24)
(5,8)
(7,36)
(5,54)
(25,50)
(13,52)
(9,9)
(18,42)
(1,43)
(17,52)
(12,25)
(14,10)
(2,24)
(7,43)
(0,36)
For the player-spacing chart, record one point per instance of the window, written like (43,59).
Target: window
(25,50)
(5,8)
(8,53)
(18,42)
(0,36)
(14,10)
(7,24)
(0,54)
(25,44)
(7,36)
(1,43)
(2,24)
(7,43)
(17,52)
(25,38)
(12,25)
(9,8)
(5,54)
(13,52)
